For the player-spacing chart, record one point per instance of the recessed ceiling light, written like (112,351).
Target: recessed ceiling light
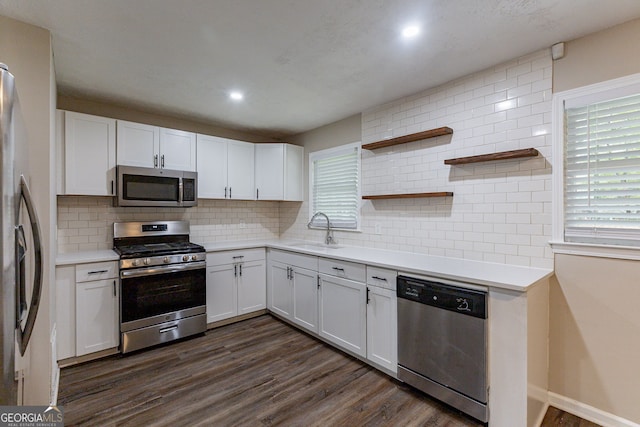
(410,31)
(236,96)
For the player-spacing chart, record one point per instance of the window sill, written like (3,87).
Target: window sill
(594,250)
(350,230)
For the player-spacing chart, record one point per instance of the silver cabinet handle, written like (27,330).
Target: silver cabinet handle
(230,192)
(98,272)
(112,187)
(240,268)
(162,161)
(235,270)
(338,269)
(238,257)
(114,288)
(155,161)
(225,192)
(379,278)
(257,193)
(368,299)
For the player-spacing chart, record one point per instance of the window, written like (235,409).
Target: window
(598,137)
(334,186)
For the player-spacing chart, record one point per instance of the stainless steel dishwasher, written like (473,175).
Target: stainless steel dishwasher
(442,342)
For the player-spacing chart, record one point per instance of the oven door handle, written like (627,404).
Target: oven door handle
(163,269)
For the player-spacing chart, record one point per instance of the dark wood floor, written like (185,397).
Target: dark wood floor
(556,418)
(257,372)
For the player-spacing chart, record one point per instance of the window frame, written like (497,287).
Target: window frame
(613,89)
(332,152)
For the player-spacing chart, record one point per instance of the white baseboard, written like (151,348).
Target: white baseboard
(589,413)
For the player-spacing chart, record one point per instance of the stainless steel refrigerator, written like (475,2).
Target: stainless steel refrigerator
(21,251)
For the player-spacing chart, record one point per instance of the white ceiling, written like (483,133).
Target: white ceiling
(300,63)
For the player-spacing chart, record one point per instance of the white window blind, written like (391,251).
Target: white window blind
(334,186)
(602,172)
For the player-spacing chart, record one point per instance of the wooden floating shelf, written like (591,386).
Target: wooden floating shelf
(504,155)
(408,196)
(432,133)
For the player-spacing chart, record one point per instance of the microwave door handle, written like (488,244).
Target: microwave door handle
(24,335)
(180,191)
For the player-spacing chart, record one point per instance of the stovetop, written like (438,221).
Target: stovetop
(156,249)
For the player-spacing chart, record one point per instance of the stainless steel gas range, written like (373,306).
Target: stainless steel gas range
(162,283)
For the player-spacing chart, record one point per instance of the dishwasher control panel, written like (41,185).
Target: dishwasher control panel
(447,297)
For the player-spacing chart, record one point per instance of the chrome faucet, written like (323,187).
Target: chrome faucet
(328,240)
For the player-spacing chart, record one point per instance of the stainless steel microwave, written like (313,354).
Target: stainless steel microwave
(156,187)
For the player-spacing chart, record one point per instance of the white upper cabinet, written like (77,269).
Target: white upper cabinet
(225,168)
(279,169)
(212,167)
(177,149)
(293,173)
(138,144)
(154,147)
(240,170)
(89,146)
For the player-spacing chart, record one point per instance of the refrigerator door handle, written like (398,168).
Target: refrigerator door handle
(24,335)
(21,252)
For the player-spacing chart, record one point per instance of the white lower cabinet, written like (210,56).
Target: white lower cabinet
(293,288)
(96,316)
(222,295)
(87,319)
(343,311)
(382,318)
(65,312)
(252,292)
(236,283)
(382,327)
(305,298)
(293,294)
(280,290)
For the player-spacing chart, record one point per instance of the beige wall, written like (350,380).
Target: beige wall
(27,51)
(595,333)
(294,215)
(598,57)
(98,108)
(594,319)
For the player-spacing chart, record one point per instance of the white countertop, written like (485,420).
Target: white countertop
(494,275)
(87,256)
(504,276)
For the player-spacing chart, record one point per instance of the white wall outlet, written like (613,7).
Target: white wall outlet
(377,228)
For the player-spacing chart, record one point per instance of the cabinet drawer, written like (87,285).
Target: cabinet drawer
(230,257)
(381,277)
(346,269)
(96,271)
(309,262)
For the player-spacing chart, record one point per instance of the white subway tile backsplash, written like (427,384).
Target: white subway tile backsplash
(500,211)
(210,221)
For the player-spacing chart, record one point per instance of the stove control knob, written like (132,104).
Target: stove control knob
(135,262)
(194,257)
(166,260)
(147,261)
(185,258)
